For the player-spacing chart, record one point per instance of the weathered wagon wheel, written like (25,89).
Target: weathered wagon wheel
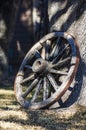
(46,71)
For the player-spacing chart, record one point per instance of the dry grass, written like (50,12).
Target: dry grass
(13,117)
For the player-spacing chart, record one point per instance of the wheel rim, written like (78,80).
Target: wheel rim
(46,71)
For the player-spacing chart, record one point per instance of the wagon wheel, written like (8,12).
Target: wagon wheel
(46,71)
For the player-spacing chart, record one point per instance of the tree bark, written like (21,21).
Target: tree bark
(8,10)
(40,18)
(70,16)
(67,16)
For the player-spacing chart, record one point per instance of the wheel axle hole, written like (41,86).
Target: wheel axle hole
(38,63)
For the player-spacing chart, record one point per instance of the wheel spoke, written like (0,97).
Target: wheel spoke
(47,48)
(60,53)
(55,50)
(61,62)
(52,81)
(38,87)
(38,55)
(30,88)
(58,72)
(31,77)
(43,53)
(45,87)
(28,67)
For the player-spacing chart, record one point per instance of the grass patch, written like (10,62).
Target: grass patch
(14,117)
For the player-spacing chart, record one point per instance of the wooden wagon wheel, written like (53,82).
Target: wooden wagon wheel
(46,71)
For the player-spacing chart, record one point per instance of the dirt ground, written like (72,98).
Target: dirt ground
(14,117)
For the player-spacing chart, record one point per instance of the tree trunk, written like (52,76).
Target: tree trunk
(70,16)
(8,10)
(40,18)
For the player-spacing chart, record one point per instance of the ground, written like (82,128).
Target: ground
(14,117)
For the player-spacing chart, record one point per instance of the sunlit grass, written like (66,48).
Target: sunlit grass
(7,98)
(14,117)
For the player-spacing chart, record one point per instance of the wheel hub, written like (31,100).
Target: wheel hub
(40,66)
